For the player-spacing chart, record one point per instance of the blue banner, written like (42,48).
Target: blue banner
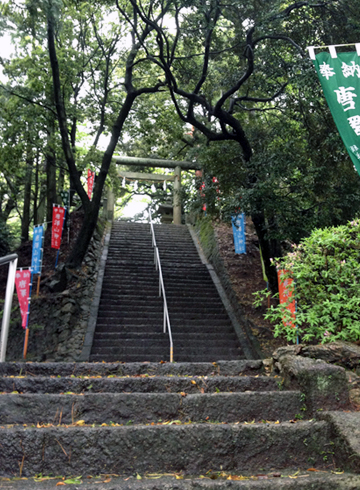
(238,225)
(37,249)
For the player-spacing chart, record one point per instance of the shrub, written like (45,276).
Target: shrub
(326,272)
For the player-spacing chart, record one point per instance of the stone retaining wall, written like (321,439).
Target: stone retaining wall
(59,317)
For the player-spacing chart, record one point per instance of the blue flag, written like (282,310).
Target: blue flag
(238,225)
(37,249)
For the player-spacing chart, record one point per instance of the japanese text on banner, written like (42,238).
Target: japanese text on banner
(238,226)
(22,283)
(340,80)
(37,250)
(57,226)
(90,182)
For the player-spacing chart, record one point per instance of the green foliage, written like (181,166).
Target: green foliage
(326,272)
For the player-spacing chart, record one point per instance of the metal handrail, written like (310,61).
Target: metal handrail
(12,261)
(166,319)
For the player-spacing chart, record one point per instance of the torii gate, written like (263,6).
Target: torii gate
(154,162)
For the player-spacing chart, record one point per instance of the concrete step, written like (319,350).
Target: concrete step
(191,448)
(143,408)
(158,384)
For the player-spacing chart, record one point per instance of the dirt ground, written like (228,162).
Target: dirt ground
(246,275)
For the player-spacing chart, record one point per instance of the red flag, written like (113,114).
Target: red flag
(90,182)
(285,294)
(57,226)
(22,282)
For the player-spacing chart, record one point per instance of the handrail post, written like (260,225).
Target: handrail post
(12,260)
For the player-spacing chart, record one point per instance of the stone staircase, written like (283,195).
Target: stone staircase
(145,425)
(160,426)
(130,317)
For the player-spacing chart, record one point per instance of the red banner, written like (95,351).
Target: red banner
(57,226)
(285,294)
(90,182)
(22,283)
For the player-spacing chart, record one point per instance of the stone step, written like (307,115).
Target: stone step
(165,357)
(228,368)
(177,336)
(154,307)
(161,351)
(143,408)
(159,384)
(184,316)
(258,479)
(146,288)
(153,343)
(155,298)
(191,448)
(137,326)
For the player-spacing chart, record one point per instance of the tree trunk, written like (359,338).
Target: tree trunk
(51,196)
(267,249)
(79,248)
(25,222)
(36,189)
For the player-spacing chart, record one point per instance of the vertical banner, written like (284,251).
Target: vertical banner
(65,196)
(57,226)
(339,74)
(37,249)
(238,226)
(22,283)
(285,295)
(90,182)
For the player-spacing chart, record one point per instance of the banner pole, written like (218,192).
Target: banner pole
(38,286)
(26,341)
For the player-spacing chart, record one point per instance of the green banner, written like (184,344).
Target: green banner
(340,80)
(65,196)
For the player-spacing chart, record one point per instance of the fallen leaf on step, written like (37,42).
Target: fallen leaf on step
(238,477)
(80,422)
(312,469)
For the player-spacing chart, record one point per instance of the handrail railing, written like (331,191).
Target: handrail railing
(166,319)
(12,261)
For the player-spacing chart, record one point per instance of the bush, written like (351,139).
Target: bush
(326,272)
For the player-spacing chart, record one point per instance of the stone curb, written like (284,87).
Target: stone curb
(89,336)
(345,433)
(242,336)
